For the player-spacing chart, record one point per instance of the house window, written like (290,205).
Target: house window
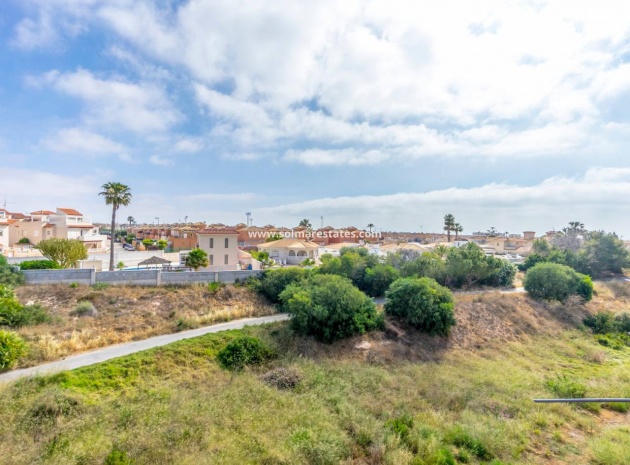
(1,233)
(211,259)
(227,242)
(212,242)
(225,260)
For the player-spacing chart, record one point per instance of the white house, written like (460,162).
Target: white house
(222,248)
(290,251)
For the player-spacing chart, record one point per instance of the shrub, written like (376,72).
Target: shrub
(564,387)
(400,426)
(84,309)
(329,307)
(243,351)
(215,287)
(39,265)
(13,314)
(118,457)
(461,438)
(65,252)
(282,378)
(12,348)
(273,282)
(423,303)
(551,281)
(197,258)
(24,240)
(378,279)
(7,275)
(6,292)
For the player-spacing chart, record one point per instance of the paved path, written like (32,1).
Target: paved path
(120,350)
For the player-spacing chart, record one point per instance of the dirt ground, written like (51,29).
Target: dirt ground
(125,313)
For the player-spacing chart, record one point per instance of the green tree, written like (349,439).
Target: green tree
(65,252)
(147,242)
(458,229)
(605,253)
(116,195)
(12,348)
(306,223)
(370,226)
(120,266)
(492,232)
(131,220)
(273,282)
(541,247)
(329,308)
(552,281)
(243,351)
(423,303)
(162,244)
(197,258)
(449,225)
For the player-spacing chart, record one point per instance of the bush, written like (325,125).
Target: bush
(24,240)
(6,292)
(282,378)
(215,287)
(551,281)
(118,457)
(329,307)
(564,387)
(273,282)
(7,275)
(39,265)
(423,303)
(13,314)
(12,348)
(461,438)
(243,351)
(378,279)
(84,309)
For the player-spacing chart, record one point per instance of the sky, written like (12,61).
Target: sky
(506,114)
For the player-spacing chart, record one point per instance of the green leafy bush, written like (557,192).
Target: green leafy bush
(244,351)
(423,303)
(273,282)
(39,265)
(118,457)
(461,438)
(329,307)
(6,292)
(14,314)
(552,281)
(12,348)
(564,387)
(378,279)
(7,275)
(400,426)
(215,287)
(24,240)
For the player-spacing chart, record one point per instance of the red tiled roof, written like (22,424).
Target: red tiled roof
(43,212)
(18,216)
(215,231)
(70,211)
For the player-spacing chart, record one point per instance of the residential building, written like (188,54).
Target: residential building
(221,246)
(290,251)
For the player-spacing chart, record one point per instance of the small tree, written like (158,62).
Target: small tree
(274,237)
(7,275)
(378,279)
(273,282)
(329,307)
(305,223)
(65,252)
(552,281)
(423,303)
(162,244)
(120,266)
(197,258)
(243,351)
(147,242)
(449,225)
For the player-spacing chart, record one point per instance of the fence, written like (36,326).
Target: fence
(135,277)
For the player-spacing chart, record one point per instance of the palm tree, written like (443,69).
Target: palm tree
(306,223)
(370,226)
(458,228)
(131,220)
(449,225)
(441,251)
(116,194)
(492,232)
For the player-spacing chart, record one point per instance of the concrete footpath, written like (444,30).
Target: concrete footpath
(120,350)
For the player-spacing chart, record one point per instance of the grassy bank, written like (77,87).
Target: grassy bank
(407,400)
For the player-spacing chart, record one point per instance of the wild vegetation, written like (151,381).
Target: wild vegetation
(410,399)
(61,319)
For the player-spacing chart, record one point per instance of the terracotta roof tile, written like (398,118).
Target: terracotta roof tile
(217,231)
(70,211)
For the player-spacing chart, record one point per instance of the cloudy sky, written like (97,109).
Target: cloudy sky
(512,114)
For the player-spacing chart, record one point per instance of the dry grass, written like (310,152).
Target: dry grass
(127,313)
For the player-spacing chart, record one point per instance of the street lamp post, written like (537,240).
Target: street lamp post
(158,229)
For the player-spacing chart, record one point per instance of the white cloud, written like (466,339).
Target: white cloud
(160,161)
(593,199)
(85,143)
(189,145)
(116,103)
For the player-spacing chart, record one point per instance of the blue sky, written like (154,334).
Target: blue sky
(506,114)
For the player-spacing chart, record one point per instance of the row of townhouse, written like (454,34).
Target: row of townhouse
(19,232)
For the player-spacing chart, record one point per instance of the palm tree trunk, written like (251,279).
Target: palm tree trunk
(111,243)
(448,235)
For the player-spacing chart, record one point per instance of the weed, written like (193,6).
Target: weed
(100,286)
(84,309)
